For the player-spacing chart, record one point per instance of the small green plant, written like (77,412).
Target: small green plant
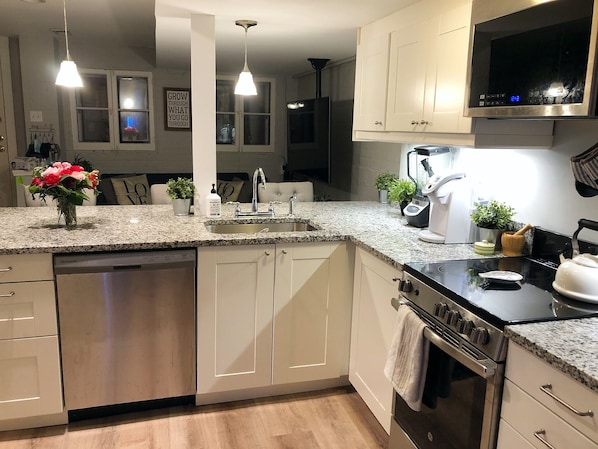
(493,215)
(82,162)
(181,188)
(384,180)
(401,191)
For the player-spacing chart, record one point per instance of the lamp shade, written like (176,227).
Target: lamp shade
(245,85)
(68,76)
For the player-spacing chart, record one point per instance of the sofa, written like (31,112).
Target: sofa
(132,188)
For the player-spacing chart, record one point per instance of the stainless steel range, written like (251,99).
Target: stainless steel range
(465,315)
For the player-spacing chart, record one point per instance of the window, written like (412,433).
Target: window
(113,111)
(244,123)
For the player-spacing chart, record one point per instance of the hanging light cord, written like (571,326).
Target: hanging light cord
(66,32)
(245,68)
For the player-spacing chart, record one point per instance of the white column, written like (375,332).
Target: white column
(203,106)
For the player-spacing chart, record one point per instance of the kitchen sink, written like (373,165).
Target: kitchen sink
(265,226)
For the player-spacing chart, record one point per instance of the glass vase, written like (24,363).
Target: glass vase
(67,213)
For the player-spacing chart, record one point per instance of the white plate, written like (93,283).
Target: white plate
(575,295)
(501,276)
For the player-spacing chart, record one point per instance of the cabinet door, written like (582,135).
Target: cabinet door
(447,72)
(409,49)
(312,311)
(508,438)
(371,333)
(234,317)
(26,267)
(370,84)
(30,381)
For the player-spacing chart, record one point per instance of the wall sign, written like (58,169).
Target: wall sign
(177,109)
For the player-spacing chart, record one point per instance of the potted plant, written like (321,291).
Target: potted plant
(383,182)
(492,218)
(181,191)
(401,191)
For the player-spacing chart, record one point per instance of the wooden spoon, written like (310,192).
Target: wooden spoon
(524,229)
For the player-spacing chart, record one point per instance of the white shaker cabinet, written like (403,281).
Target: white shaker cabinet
(370,83)
(30,376)
(272,314)
(375,283)
(427,71)
(530,408)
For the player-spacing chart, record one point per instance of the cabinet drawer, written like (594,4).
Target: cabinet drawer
(508,438)
(27,309)
(530,373)
(527,416)
(30,382)
(26,267)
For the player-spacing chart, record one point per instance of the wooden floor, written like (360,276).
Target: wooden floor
(329,419)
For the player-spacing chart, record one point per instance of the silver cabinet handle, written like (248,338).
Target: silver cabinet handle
(396,279)
(540,436)
(377,122)
(547,389)
(267,253)
(413,122)
(284,251)
(424,122)
(3,270)
(7,295)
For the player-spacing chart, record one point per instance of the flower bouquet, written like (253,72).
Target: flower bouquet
(65,183)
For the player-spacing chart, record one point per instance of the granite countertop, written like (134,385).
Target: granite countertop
(377,228)
(569,345)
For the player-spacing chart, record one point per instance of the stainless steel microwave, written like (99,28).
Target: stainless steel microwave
(532,59)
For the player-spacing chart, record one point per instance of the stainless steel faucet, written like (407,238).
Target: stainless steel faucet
(292,200)
(254,200)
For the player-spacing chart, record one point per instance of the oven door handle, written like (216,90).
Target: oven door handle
(484,368)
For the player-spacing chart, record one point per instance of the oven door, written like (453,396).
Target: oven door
(461,401)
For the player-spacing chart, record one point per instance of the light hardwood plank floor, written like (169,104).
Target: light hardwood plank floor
(328,419)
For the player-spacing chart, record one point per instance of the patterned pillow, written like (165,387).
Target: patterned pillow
(132,190)
(229,190)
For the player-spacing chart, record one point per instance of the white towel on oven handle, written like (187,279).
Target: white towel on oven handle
(407,360)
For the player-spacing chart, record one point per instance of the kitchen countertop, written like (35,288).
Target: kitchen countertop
(377,228)
(570,346)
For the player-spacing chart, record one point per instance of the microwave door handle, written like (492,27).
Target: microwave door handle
(486,369)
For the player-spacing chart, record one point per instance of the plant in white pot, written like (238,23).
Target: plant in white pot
(492,218)
(383,183)
(181,190)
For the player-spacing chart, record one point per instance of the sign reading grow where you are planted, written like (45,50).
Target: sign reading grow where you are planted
(177,109)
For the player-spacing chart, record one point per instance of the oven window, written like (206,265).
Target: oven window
(453,406)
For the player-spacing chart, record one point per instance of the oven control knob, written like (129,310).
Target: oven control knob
(465,327)
(440,309)
(480,336)
(405,286)
(452,317)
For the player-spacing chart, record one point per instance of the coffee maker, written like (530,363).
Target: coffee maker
(419,170)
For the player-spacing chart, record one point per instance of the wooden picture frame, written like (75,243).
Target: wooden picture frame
(177,109)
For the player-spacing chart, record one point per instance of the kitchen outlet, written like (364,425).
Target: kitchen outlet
(36,116)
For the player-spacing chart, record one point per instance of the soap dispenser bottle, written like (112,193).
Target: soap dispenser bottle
(213,204)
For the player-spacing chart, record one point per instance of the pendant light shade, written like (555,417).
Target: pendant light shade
(245,84)
(68,76)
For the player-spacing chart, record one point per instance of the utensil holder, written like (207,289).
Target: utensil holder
(512,245)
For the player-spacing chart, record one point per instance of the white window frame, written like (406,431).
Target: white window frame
(239,118)
(112,91)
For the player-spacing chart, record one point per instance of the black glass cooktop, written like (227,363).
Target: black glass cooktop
(530,299)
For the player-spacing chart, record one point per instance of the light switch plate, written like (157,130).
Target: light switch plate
(36,116)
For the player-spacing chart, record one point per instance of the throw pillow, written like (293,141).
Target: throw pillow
(229,190)
(132,190)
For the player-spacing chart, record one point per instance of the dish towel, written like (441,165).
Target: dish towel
(407,359)
(585,171)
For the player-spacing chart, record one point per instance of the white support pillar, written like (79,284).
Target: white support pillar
(203,106)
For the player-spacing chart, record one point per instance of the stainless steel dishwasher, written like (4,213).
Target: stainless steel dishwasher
(127,326)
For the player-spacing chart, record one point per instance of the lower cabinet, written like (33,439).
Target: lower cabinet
(272,314)
(371,333)
(531,411)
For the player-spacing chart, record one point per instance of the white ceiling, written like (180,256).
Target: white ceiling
(288,31)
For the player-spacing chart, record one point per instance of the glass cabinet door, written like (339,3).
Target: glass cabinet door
(225,112)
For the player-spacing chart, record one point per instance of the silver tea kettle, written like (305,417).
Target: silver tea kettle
(577,278)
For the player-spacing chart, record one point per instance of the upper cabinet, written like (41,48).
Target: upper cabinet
(411,70)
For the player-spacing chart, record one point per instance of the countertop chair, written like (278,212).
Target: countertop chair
(282,191)
(159,196)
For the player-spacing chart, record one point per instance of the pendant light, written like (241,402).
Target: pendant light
(245,85)
(68,75)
